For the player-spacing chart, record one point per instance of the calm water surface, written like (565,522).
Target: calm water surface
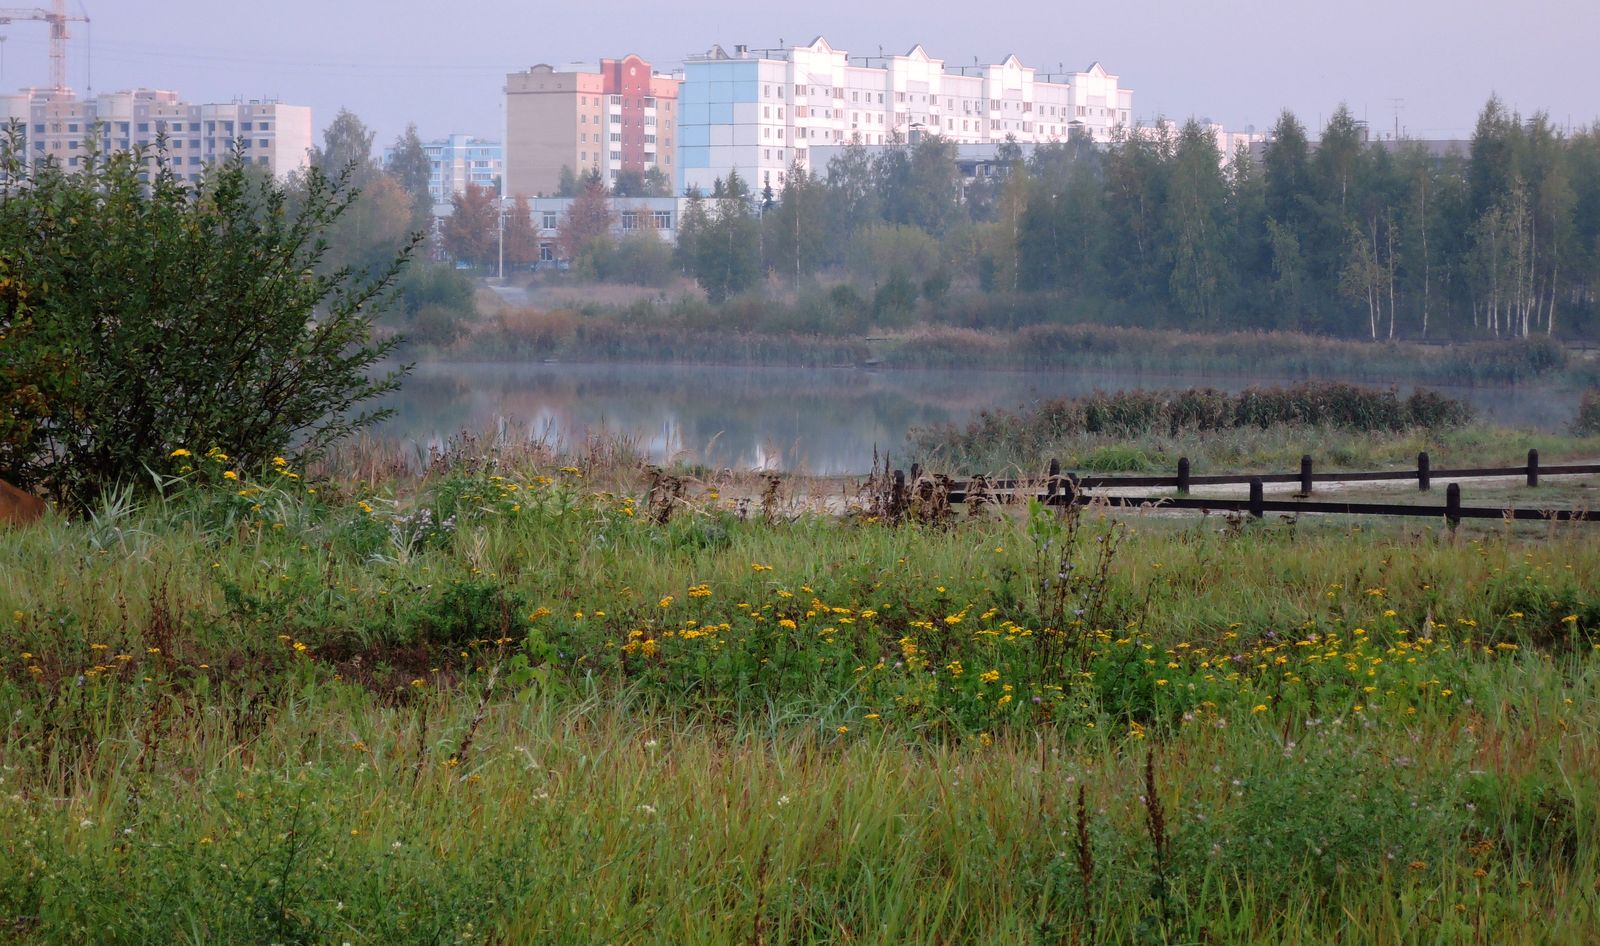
(825,421)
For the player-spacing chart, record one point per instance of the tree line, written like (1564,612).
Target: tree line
(1382,239)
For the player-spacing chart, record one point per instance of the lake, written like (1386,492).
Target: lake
(824,421)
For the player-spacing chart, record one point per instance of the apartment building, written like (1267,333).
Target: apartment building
(761,111)
(456,161)
(621,117)
(60,126)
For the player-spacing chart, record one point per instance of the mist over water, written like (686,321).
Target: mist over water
(824,421)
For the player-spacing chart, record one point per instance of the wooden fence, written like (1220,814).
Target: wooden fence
(1058,490)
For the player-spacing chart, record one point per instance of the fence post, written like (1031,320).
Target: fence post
(897,497)
(916,472)
(1070,488)
(1452,504)
(1533,467)
(1052,481)
(1257,497)
(1183,475)
(1424,483)
(1305,475)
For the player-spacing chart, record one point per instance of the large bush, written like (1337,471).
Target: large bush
(141,315)
(1588,419)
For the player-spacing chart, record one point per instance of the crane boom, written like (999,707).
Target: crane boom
(58,18)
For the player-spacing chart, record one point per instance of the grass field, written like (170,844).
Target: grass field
(507,703)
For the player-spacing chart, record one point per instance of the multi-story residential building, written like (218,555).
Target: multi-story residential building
(455,162)
(60,126)
(759,112)
(623,117)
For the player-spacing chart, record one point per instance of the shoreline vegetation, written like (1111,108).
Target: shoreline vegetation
(647,333)
(524,696)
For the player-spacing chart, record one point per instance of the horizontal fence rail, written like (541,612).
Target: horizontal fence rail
(1057,489)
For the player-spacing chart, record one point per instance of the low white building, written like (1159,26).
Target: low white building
(661,216)
(760,111)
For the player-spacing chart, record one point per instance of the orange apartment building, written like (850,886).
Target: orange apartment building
(623,117)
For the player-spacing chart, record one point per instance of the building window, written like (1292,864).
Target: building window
(663,219)
(630,220)
(261,143)
(549,219)
(547,253)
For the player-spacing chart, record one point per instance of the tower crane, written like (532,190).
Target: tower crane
(58,18)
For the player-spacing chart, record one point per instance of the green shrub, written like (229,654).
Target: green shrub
(1588,419)
(1118,458)
(171,316)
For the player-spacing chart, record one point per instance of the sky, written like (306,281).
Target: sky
(1431,64)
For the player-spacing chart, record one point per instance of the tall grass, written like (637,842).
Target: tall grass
(1127,428)
(498,704)
(818,331)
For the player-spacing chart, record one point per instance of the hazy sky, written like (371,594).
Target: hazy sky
(1239,62)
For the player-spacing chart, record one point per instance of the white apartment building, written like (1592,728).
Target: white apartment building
(60,126)
(759,112)
(454,163)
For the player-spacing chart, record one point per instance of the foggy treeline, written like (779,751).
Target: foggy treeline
(1345,236)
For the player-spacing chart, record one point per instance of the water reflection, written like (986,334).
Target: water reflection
(824,421)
